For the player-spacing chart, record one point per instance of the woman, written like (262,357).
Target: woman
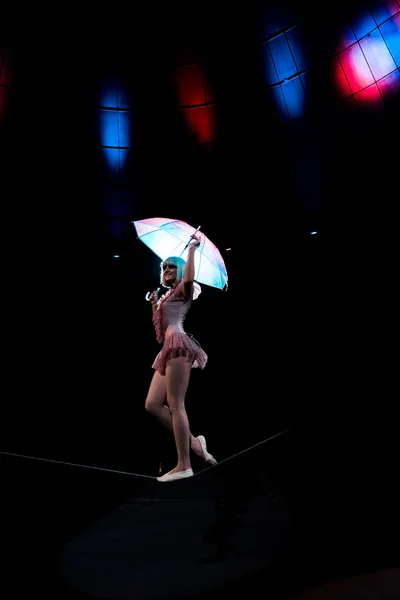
(179,354)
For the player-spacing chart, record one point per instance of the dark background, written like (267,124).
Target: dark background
(304,335)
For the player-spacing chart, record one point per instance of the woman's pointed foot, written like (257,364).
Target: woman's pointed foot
(204,454)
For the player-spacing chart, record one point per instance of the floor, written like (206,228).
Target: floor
(75,533)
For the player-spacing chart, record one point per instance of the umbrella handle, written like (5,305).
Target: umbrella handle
(190,240)
(147,296)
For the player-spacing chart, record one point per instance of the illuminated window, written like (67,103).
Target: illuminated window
(115,127)
(368,68)
(196,101)
(285,71)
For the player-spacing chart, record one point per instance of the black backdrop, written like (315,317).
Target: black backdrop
(299,338)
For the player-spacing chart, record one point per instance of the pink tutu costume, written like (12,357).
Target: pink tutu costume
(168,322)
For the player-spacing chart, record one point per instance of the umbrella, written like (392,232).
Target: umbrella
(171,237)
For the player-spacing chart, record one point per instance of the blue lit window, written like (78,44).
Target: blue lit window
(115,127)
(284,68)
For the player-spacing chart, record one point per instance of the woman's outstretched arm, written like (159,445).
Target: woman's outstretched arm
(188,276)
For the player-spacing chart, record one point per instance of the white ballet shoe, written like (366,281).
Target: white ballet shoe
(174,476)
(207,456)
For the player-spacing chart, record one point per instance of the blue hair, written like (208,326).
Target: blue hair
(179,264)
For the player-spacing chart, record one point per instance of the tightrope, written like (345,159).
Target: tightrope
(116,472)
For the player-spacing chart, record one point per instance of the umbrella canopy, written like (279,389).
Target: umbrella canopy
(171,237)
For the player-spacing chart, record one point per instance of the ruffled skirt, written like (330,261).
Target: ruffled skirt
(180,344)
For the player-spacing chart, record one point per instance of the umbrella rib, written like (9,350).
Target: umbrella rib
(169,233)
(203,257)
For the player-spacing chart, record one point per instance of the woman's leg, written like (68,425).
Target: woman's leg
(177,380)
(156,400)
(156,405)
